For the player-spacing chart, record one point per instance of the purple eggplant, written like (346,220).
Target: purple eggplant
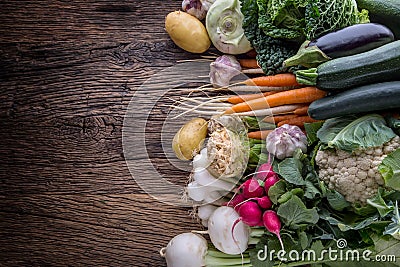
(348,41)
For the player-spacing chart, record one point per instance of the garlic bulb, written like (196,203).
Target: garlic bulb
(223,69)
(196,8)
(285,140)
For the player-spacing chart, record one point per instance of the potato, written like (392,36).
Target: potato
(187,32)
(189,139)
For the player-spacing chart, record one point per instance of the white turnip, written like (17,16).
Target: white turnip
(220,226)
(185,250)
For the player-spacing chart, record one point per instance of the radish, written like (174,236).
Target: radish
(250,213)
(235,201)
(185,250)
(264,202)
(273,224)
(252,188)
(221,232)
(270,181)
(264,171)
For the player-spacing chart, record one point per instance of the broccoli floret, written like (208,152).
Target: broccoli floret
(354,175)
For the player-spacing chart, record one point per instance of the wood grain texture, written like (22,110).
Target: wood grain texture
(68,70)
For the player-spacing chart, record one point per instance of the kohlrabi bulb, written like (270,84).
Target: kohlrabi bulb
(224,26)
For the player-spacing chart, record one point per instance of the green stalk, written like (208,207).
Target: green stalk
(307,77)
(217,258)
(254,123)
(307,56)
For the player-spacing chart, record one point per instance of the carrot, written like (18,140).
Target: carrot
(252,53)
(243,98)
(269,112)
(294,96)
(298,121)
(283,79)
(301,111)
(259,134)
(249,63)
(280,118)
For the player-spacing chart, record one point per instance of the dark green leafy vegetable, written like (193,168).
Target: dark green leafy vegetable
(300,19)
(295,214)
(271,52)
(393,229)
(329,15)
(282,18)
(390,170)
(337,200)
(347,133)
(394,124)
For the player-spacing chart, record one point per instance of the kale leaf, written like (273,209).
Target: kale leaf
(271,52)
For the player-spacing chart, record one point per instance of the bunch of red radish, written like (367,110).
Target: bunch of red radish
(253,204)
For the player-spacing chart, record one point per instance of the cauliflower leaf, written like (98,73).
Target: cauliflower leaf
(390,170)
(348,134)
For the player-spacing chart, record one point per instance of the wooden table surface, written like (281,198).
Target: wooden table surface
(68,71)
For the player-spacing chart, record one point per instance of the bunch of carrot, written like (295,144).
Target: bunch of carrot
(287,106)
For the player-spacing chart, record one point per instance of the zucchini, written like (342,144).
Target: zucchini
(381,64)
(348,41)
(363,99)
(386,12)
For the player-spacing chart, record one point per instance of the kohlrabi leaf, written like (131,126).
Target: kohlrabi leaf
(291,170)
(368,131)
(295,214)
(276,191)
(337,200)
(390,169)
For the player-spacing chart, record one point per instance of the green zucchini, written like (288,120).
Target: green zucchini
(363,99)
(377,65)
(386,12)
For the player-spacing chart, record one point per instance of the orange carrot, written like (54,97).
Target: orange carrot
(259,134)
(249,63)
(280,118)
(301,111)
(278,80)
(298,121)
(243,98)
(295,96)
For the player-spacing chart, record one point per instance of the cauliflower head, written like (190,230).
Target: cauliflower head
(355,175)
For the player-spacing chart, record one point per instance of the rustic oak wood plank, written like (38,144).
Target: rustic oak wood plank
(88,229)
(68,70)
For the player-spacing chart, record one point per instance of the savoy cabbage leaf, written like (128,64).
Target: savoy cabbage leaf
(325,16)
(301,19)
